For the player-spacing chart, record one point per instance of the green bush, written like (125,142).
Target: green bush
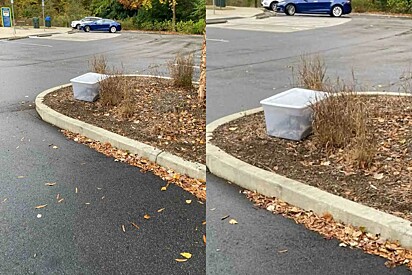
(199,27)
(364,6)
(128,24)
(399,6)
(187,27)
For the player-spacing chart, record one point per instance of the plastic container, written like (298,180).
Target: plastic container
(86,86)
(288,114)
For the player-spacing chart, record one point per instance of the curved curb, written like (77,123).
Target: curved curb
(299,194)
(163,158)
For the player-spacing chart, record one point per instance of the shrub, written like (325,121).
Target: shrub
(128,24)
(311,72)
(401,6)
(112,90)
(126,108)
(98,64)
(181,70)
(341,122)
(188,27)
(199,27)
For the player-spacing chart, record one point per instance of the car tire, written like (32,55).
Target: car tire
(273,6)
(336,11)
(113,29)
(86,28)
(290,9)
(77,27)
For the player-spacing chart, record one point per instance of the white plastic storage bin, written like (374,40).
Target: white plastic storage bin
(288,114)
(86,86)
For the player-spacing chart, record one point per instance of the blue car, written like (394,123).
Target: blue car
(335,8)
(105,25)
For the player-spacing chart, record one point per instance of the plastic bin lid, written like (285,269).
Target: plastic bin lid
(296,98)
(89,78)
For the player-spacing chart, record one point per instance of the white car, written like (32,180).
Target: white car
(270,4)
(76,24)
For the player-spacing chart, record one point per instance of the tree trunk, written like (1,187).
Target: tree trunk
(202,79)
(174,15)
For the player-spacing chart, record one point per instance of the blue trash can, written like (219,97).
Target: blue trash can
(48,21)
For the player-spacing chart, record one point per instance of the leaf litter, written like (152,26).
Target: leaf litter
(196,187)
(348,235)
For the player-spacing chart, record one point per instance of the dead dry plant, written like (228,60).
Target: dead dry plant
(98,64)
(341,121)
(126,106)
(181,70)
(311,72)
(112,90)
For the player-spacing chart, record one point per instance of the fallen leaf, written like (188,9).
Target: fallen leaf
(50,184)
(270,208)
(164,188)
(20,177)
(188,201)
(103,197)
(135,225)
(123,229)
(87,203)
(147,216)
(76,190)
(233,221)
(225,217)
(283,251)
(58,196)
(181,260)
(59,201)
(187,255)
(41,206)
(233,128)
(325,163)
(204,239)
(38,216)
(160,210)
(343,245)
(55,147)
(378,176)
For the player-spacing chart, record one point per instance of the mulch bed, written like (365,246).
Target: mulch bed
(386,185)
(165,117)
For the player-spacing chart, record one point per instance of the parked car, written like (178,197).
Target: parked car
(335,8)
(101,25)
(77,23)
(270,4)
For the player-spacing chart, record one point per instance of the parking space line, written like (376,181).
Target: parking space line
(29,44)
(217,40)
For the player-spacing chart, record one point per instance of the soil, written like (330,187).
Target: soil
(385,185)
(164,116)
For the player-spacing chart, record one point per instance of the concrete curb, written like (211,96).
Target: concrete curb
(163,158)
(299,194)
(216,21)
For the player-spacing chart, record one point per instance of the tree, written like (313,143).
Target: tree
(202,79)
(147,4)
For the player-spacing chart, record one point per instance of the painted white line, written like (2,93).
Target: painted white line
(217,40)
(29,44)
(194,67)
